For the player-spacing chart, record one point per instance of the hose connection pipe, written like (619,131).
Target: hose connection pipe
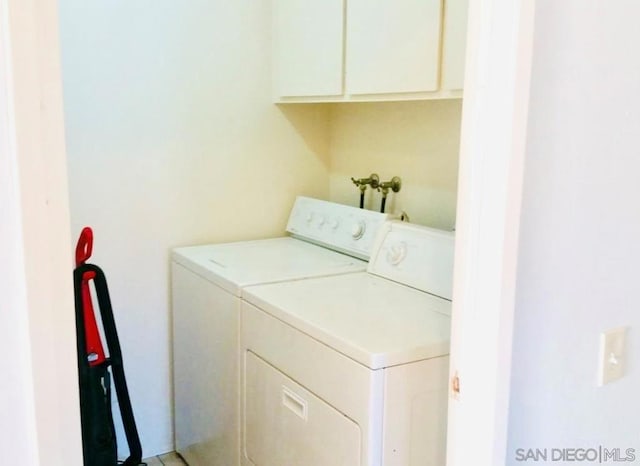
(394,185)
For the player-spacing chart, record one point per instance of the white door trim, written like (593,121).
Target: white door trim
(18,439)
(36,240)
(494,125)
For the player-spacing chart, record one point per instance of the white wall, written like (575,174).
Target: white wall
(417,141)
(172,140)
(579,250)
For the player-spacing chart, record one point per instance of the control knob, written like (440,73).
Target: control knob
(358,230)
(397,253)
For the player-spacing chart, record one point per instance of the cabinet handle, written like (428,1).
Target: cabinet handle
(294,402)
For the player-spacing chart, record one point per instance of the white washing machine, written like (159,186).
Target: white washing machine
(352,370)
(207,284)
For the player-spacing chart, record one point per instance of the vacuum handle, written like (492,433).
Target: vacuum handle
(115,359)
(84,247)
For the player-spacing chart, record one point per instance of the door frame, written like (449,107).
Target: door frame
(17,438)
(36,242)
(490,185)
(492,155)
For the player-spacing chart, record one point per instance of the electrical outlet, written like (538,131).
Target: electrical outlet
(612,359)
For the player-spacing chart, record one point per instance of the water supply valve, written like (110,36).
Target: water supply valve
(394,185)
(362,183)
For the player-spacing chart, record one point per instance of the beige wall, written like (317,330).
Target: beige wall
(417,141)
(173,140)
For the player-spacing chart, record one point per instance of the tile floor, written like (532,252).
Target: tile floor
(169,459)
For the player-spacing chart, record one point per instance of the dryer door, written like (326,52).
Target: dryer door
(286,425)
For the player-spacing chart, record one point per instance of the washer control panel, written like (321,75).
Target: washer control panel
(336,226)
(417,256)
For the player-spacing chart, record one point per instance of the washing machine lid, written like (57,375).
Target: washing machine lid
(377,322)
(236,265)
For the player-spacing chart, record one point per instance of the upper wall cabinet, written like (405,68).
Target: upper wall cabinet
(308,40)
(368,50)
(454,44)
(392,46)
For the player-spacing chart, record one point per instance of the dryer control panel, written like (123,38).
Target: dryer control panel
(417,256)
(336,226)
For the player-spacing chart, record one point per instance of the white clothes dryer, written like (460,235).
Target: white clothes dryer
(352,370)
(207,283)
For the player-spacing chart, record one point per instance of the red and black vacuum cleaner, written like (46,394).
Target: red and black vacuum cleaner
(96,366)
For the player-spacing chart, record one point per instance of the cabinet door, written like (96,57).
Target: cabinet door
(393,46)
(454,44)
(308,47)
